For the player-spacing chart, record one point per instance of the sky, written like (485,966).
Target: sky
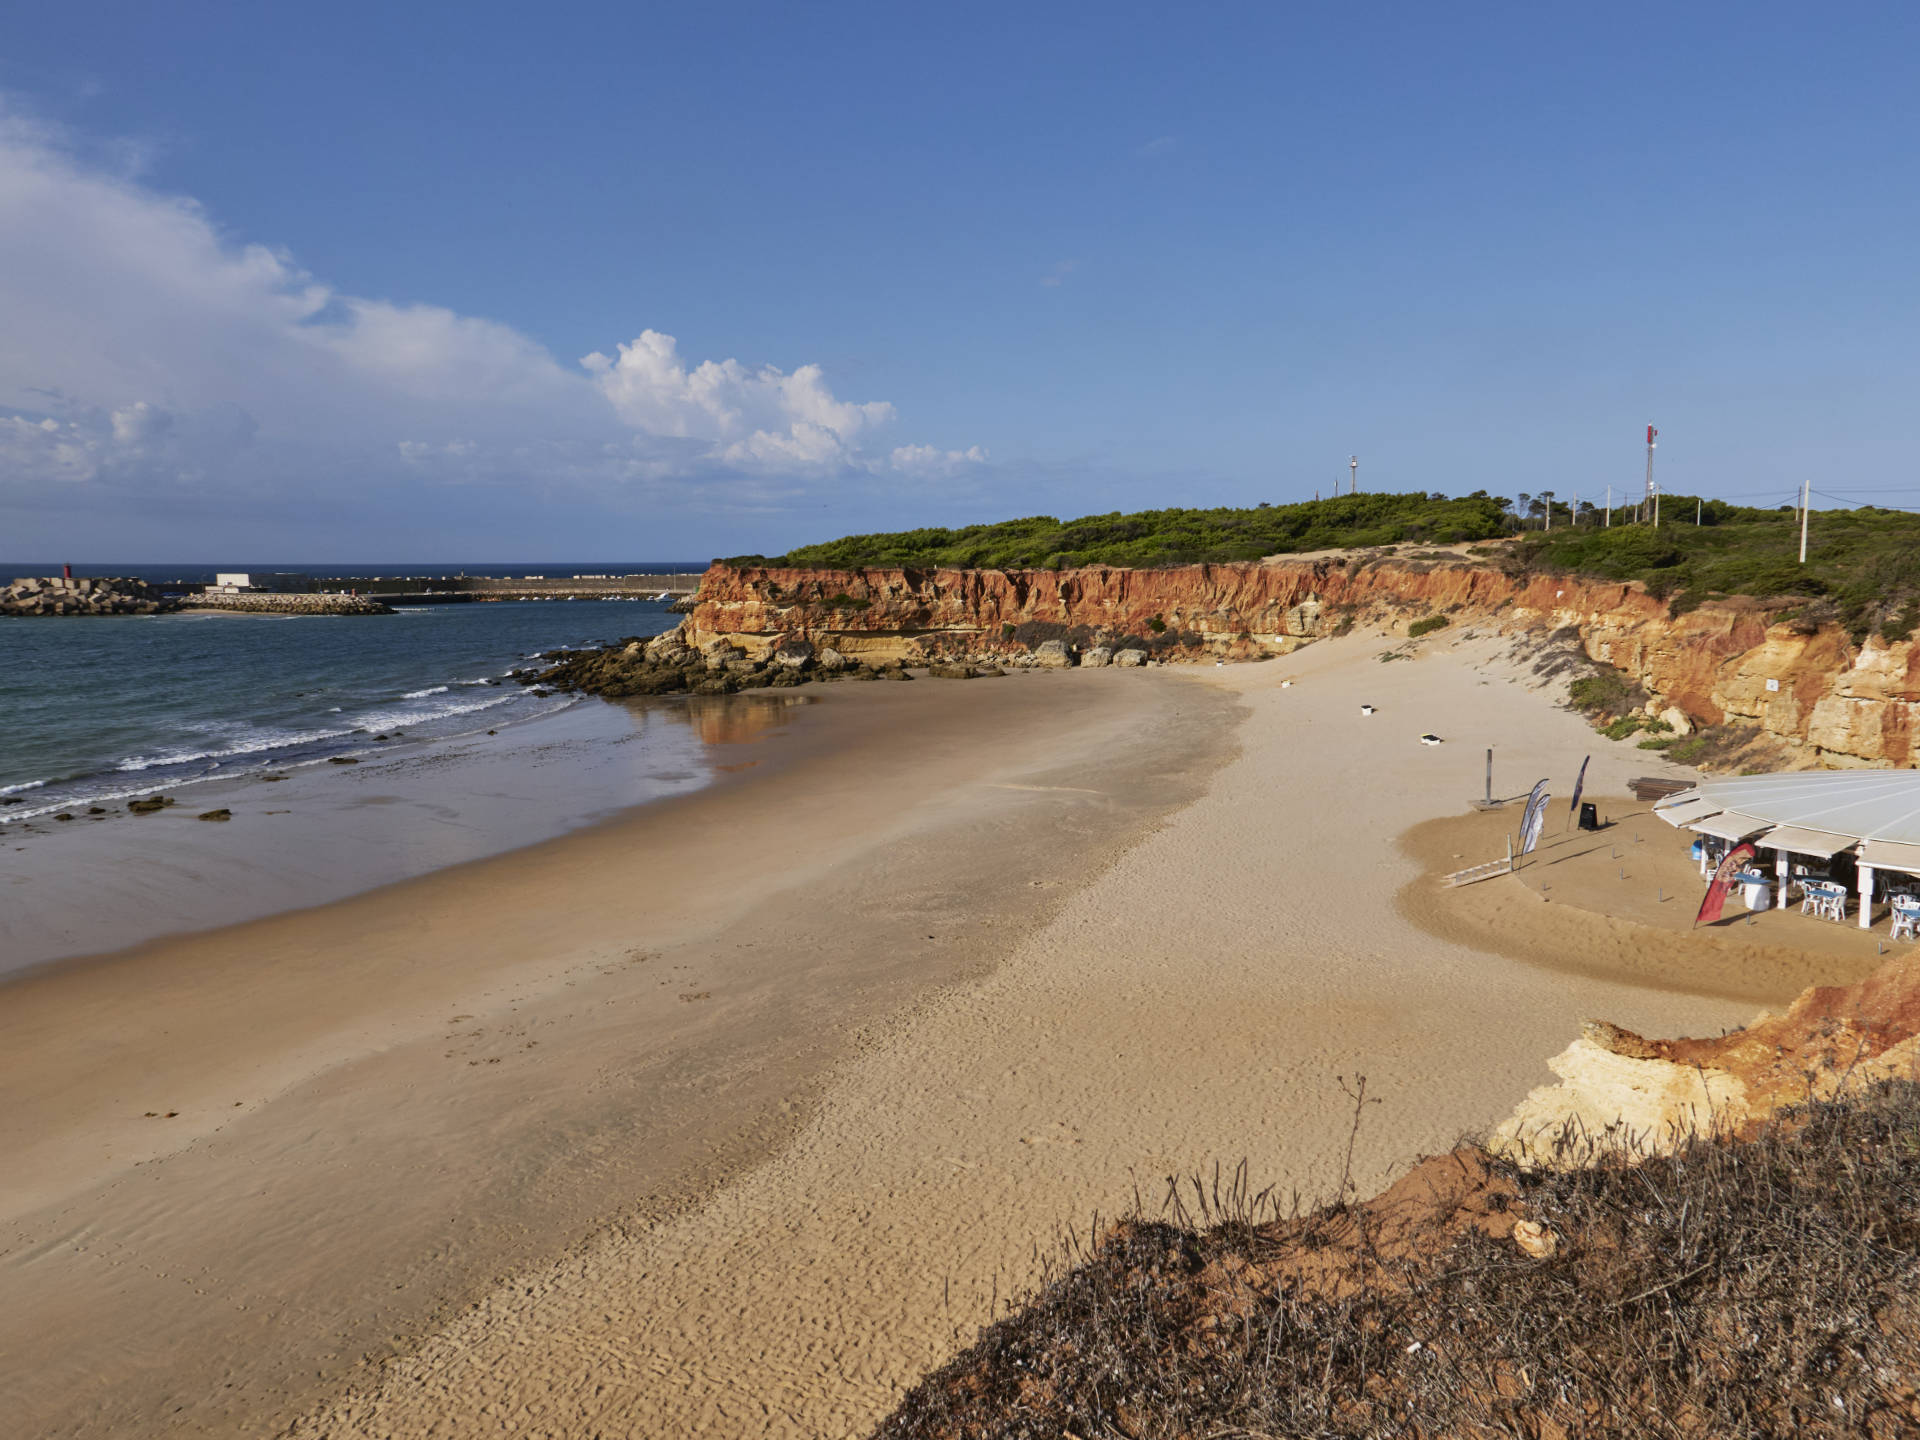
(432,282)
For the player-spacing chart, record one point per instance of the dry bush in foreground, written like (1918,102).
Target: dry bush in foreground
(1762,1286)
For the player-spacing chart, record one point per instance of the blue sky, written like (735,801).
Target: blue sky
(320,280)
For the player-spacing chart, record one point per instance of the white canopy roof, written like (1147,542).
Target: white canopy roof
(1890,855)
(1730,825)
(1858,804)
(1802,841)
(1690,808)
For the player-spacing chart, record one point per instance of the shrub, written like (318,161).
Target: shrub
(1900,627)
(1427,626)
(1604,693)
(1761,1286)
(1157,625)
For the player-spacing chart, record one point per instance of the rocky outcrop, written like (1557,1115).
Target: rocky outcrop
(1734,660)
(61,595)
(1617,1089)
(291,604)
(669,665)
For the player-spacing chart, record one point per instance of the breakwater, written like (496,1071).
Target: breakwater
(456,589)
(292,604)
(63,595)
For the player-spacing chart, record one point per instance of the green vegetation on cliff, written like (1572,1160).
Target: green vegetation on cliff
(1163,537)
(1862,570)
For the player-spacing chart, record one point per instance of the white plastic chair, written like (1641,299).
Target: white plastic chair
(1833,901)
(1906,915)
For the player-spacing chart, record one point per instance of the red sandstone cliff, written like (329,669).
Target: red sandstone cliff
(1727,660)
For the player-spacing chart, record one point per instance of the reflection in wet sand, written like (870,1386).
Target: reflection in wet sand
(726,719)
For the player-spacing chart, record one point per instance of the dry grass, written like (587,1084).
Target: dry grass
(1763,1286)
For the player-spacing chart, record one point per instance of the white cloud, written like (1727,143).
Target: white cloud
(930,461)
(1160,145)
(143,350)
(1058,274)
(747,417)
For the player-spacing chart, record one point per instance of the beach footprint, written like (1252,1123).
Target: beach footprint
(1059,1133)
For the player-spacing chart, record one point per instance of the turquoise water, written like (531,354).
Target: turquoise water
(100,709)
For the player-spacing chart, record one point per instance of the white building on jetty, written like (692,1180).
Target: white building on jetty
(244,582)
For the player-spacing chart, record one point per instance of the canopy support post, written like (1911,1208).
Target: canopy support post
(1866,897)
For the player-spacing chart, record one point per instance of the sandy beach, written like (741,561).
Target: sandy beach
(731,1115)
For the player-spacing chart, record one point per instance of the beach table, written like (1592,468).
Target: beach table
(1756,888)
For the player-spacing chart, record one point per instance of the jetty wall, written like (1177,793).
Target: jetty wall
(293,604)
(1759,662)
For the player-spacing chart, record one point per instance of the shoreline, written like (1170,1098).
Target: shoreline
(1203,1000)
(741,1123)
(640,1009)
(318,832)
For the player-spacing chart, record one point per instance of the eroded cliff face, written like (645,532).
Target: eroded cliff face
(1652,1095)
(1728,660)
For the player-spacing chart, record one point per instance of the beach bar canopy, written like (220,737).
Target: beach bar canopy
(1821,813)
(1685,808)
(1729,825)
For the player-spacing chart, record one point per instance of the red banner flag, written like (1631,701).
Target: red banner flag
(1716,896)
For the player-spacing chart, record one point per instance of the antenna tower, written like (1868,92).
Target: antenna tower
(1652,503)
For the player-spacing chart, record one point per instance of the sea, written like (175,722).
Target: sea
(95,710)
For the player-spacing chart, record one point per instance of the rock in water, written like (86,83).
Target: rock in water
(215,815)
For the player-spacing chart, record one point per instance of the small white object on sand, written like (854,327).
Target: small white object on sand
(1429,739)
(1366,709)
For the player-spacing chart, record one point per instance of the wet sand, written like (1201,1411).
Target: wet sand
(246,1165)
(732,1116)
(322,832)
(1203,1000)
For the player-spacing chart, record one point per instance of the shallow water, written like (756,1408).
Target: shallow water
(98,710)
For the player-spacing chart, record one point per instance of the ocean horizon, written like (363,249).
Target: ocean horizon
(155,573)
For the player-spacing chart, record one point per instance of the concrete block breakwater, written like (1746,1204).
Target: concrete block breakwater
(97,595)
(93,595)
(289,604)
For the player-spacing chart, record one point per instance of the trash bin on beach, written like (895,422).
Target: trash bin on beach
(1589,815)
(1755,889)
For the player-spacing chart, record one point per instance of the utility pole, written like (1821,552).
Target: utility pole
(1353,474)
(1573,511)
(1805,486)
(1698,506)
(1609,524)
(1653,495)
